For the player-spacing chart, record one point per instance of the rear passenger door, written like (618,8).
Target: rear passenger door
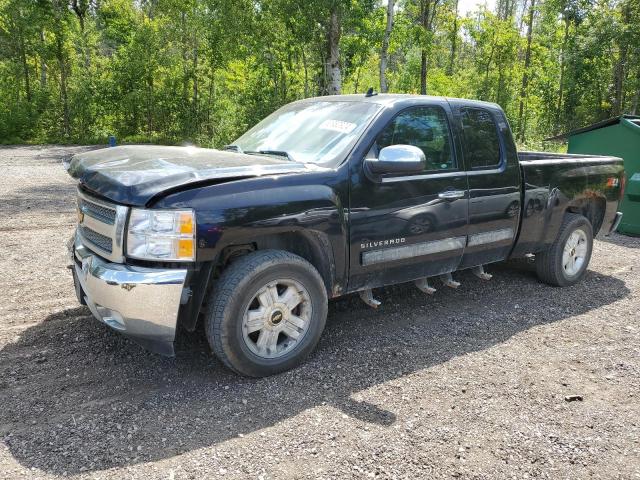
(493,174)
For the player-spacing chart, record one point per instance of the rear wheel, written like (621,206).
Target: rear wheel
(566,261)
(268,310)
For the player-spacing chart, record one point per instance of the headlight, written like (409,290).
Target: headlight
(167,235)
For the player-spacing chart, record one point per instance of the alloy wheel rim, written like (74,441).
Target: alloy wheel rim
(575,252)
(277,318)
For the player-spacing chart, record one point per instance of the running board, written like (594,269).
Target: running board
(423,286)
(367,297)
(480,273)
(448,280)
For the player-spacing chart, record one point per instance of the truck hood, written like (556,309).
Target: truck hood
(134,174)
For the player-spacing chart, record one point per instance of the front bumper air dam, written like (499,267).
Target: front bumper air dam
(141,303)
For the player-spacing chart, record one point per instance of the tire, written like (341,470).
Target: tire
(257,290)
(550,264)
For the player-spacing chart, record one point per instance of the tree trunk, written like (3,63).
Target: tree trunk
(185,60)
(62,64)
(562,65)
(525,75)
(334,86)
(25,66)
(210,129)
(80,9)
(195,97)
(454,42)
(43,64)
(618,81)
(424,21)
(619,69)
(500,82)
(283,75)
(636,98)
(427,14)
(150,105)
(485,83)
(423,72)
(384,52)
(306,73)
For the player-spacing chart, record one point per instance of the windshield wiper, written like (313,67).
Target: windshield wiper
(234,148)
(277,153)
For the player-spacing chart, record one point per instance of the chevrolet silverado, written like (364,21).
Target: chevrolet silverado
(326,196)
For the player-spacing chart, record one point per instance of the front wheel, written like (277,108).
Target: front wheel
(267,312)
(566,261)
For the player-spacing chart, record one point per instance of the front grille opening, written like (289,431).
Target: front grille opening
(104,214)
(101,241)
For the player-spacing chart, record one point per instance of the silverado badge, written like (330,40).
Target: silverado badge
(382,243)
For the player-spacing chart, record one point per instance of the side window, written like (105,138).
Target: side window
(480,138)
(426,128)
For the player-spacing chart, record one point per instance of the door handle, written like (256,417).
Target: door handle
(451,194)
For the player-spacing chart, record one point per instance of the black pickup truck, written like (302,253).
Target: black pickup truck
(325,197)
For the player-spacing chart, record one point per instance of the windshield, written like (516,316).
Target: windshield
(316,132)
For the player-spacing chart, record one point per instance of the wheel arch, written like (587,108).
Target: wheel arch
(592,207)
(315,247)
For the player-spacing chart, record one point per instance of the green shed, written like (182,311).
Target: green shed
(619,137)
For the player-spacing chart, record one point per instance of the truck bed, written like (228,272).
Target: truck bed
(556,182)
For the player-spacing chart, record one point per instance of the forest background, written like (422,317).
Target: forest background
(203,71)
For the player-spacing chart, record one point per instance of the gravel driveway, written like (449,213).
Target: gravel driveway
(468,383)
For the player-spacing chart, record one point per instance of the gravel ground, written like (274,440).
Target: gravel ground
(469,383)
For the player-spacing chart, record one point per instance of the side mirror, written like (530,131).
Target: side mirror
(397,159)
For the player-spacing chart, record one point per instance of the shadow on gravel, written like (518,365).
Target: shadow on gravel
(43,154)
(77,397)
(53,199)
(627,241)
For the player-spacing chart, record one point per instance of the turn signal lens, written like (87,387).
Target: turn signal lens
(167,235)
(185,248)
(186,223)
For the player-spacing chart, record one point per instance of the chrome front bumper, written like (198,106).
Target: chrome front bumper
(141,303)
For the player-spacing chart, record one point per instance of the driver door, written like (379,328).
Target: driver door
(412,225)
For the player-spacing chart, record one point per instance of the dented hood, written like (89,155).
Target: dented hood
(134,174)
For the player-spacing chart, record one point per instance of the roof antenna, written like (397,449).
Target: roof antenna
(370,92)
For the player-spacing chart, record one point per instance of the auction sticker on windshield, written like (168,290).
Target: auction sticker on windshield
(337,126)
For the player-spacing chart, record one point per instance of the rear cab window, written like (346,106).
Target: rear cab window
(424,127)
(480,139)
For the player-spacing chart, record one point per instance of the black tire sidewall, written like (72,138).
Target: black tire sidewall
(238,353)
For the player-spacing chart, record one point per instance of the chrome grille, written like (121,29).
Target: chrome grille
(104,214)
(101,226)
(101,241)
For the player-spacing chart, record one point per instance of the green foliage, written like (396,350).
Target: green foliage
(203,71)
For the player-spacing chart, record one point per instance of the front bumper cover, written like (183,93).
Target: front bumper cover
(141,303)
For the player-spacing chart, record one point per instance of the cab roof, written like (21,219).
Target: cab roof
(392,99)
